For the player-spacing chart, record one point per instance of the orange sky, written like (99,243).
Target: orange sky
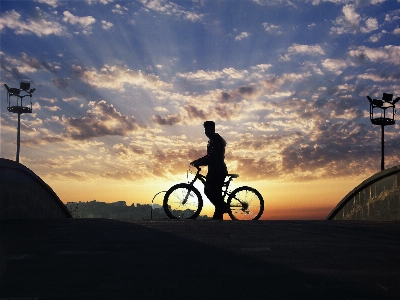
(300,200)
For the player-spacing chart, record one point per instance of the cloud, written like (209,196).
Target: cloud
(303,50)
(376,78)
(261,67)
(116,77)
(43,140)
(160,109)
(84,22)
(20,67)
(172,9)
(270,28)
(282,121)
(393,16)
(101,120)
(52,3)
(255,168)
(90,2)
(70,99)
(306,49)
(328,150)
(226,74)
(61,83)
(238,94)
(377,36)
(194,112)
(123,175)
(388,54)
(168,120)
(121,10)
(273,83)
(173,161)
(281,94)
(260,127)
(350,22)
(106,25)
(224,112)
(128,150)
(64,161)
(350,18)
(52,108)
(41,24)
(274,2)
(312,25)
(219,105)
(241,36)
(329,153)
(202,75)
(370,25)
(334,65)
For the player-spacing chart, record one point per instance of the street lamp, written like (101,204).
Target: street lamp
(19,93)
(382,112)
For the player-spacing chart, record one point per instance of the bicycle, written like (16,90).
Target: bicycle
(184,201)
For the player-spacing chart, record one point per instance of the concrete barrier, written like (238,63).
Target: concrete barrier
(24,195)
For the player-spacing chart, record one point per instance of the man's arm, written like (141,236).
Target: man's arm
(199,162)
(214,150)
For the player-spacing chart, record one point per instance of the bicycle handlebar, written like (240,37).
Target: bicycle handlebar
(198,171)
(197,167)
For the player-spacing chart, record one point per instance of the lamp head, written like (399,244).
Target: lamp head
(24,86)
(378,103)
(14,91)
(387,97)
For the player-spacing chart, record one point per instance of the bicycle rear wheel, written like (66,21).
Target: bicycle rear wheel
(182,201)
(245,203)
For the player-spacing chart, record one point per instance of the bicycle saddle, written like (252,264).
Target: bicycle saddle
(233,175)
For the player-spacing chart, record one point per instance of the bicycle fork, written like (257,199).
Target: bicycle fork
(186,197)
(188,191)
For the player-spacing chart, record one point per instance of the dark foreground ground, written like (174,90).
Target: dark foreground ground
(109,259)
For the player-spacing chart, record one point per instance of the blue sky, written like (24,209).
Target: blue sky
(129,83)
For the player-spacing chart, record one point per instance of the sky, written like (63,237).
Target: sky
(123,88)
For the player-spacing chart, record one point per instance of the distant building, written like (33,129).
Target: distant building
(117,210)
(119,203)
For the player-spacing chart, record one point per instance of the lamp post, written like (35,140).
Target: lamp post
(19,93)
(382,112)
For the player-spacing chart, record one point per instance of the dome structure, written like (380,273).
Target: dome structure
(24,195)
(375,199)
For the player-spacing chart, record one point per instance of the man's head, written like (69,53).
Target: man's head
(209,128)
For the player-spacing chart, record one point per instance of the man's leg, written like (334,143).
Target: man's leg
(213,190)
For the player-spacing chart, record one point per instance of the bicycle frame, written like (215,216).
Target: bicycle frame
(202,178)
(184,200)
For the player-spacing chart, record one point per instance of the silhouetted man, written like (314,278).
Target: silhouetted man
(217,170)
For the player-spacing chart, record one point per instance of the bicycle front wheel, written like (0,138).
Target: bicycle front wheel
(245,203)
(182,201)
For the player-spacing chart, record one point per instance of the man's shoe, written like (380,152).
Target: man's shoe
(227,208)
(218,216)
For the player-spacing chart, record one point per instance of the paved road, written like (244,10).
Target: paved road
(193,259)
